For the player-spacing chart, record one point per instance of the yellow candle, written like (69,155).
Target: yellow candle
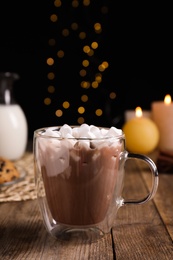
(162,115)
(142,134)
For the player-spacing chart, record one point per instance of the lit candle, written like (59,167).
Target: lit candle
(142,134)
(129,114)
(162,115)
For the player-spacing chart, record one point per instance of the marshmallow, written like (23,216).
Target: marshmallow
(83,131)
(68,142)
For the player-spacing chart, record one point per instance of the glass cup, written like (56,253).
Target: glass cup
(79,183)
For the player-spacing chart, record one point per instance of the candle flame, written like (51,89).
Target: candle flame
(138,111)
(167,99)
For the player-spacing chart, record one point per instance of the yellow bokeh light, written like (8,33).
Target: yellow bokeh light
(112,95)
(60,54)
(65,32)
(94,45)
(50,61)
(53,18)
(98,112)
(94,84)
(105,64)
(85,63)
(98,77)
(81,110)
(86,70)
(85,84)
(82,35)
(51,89)
(74,26)
(90,53)
(97,27)
(66,104)
(101,68)
(47,101)
(86,2)
(57,3)
(80,120)
(84,98)
(86,49)
(82,73)
(58,113)
(51,75)
(75,3)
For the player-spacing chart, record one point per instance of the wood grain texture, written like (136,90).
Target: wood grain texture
(143,231)
(23,236)
(140,231)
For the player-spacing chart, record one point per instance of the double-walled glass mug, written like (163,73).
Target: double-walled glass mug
(79,175)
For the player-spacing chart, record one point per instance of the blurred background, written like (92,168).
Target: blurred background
(86,61)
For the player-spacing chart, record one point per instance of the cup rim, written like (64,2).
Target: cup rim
(39,133)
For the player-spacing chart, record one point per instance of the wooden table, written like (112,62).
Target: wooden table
(140,232)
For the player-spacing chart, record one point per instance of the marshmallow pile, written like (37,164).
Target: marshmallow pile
(82,131)
(66,142)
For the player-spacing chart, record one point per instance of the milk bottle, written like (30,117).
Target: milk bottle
(13,123)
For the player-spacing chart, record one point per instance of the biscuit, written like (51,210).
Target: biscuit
(8,171)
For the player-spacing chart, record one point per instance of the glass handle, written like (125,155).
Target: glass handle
(155,177)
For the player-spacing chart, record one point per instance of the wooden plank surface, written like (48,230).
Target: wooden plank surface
(140,231)
(164,200)
(23,236)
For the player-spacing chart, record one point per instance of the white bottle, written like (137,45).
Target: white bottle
(13,123)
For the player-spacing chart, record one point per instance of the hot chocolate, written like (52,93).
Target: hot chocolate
(79,175)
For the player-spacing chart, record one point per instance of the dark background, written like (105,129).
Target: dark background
(136,40)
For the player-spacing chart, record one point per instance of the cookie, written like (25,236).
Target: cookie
(8,171)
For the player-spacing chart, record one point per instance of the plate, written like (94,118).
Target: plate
(22,174)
